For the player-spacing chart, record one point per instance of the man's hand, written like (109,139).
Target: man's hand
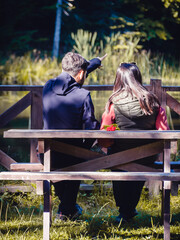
(103,57)
(105,142)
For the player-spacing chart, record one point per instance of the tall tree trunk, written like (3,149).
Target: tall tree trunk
(57,32)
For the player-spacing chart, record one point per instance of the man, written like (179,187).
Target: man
(66,105)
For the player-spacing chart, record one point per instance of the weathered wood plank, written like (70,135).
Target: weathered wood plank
(26,167)
(36,110)
(47,157)
(73,150)
(36,120)
(98,87)
(47,210)
(134,167)
(127,176)
(166,191)
(163,98)
(20,87)
(172,88)
(88,87)
(116,159)
(42,134)
(32,87)
(156,88)
(5,160)
(173,103)
(14,110)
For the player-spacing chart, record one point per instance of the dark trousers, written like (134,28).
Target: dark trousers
(67,190)
(127,193)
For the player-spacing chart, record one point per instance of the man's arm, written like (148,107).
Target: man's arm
(95,63)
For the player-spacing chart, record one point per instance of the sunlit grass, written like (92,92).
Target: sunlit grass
(22,221)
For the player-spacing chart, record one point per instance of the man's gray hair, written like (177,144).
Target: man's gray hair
(72,63)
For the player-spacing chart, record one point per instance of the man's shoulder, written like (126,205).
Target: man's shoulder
(49,82)
(83,91)
(48,86)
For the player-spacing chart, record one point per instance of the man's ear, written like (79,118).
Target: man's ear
(79,78)
(81,73)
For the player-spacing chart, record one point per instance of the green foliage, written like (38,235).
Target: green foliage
(85,43)
(22,41)
(30,69)
(112,125)
(30,24)
(35,68)
(125,45)
(174,7)
(155,29)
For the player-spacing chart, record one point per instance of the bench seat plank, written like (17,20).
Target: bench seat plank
(43,134)
(141,176)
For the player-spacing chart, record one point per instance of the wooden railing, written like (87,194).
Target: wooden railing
(34,99)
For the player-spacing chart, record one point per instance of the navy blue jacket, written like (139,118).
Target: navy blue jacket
(68,106)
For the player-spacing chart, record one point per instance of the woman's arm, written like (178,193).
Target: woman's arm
(161,120)
(107,119)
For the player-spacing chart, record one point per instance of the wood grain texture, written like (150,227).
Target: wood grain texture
(116,159)
(14,110)
(5,160)
(140,134)
(89,176)
(26,167)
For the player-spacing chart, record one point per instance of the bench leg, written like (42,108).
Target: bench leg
(47,192)
(166,191)
(166,210)
(47,210)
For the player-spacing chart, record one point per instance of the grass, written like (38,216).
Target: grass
(22,218)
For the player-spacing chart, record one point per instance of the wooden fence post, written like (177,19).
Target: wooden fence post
(36,120)
(156,88)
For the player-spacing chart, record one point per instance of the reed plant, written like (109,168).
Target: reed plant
(35,68)
(126,48)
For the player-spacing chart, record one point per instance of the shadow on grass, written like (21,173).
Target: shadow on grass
(143,226)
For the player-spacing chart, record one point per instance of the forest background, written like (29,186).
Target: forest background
(143,31)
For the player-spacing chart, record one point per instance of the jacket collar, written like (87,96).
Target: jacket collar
(64,84)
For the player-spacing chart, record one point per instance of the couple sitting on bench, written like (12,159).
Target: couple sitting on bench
(66,105)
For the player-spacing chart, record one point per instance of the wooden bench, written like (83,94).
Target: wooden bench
(124,160)
(152,186)
(56,176)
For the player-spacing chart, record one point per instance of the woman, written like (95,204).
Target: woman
(131,107)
